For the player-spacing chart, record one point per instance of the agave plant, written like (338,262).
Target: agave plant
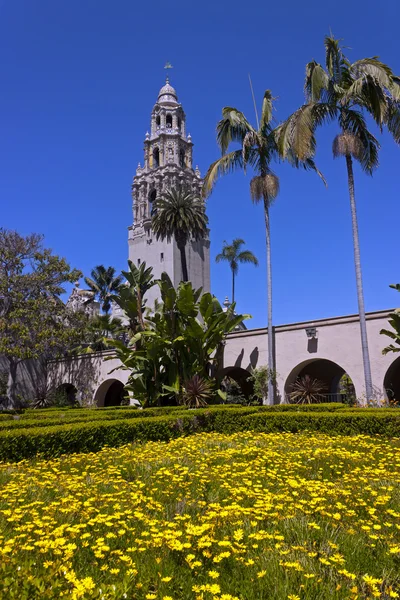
(197,391)
(306,390)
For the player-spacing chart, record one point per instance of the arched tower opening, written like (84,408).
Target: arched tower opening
(156,157)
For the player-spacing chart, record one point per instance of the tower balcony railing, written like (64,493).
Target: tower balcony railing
(176,130)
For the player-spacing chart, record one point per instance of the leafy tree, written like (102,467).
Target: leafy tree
(346,92)
(34,322)
(260,377)
(258,149)
(175,344)
(394,321)
(99,331)
(234,256)
(131,296)
(104,283)
(179,214)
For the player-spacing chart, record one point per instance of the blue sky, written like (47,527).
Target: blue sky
(79,80)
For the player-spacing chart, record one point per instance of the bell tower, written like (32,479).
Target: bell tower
(168,158)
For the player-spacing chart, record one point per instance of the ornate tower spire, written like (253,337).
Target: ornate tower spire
(167,165)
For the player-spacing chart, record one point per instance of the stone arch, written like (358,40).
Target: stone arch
(241,376)
(327,371)
(391,381)
(110,393)
(69,392)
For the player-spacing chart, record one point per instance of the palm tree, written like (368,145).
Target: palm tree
(258,149)
(232,254)
(179,214)
(346,92)
(104,284)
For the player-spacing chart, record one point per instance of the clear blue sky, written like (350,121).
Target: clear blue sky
(79,79)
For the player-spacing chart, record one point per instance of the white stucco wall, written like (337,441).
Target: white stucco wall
(338,341)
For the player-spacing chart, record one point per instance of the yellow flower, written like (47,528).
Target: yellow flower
(213,574)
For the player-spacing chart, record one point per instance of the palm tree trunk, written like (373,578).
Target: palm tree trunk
(271,388)
(360,293)
(233,286)
(181,247)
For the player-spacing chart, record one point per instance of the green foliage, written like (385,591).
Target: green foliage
(179,214)
(260,377)
(131,296)
(197,392)
(344,92)
(174,344)
(104,283)
(34,322)
(232,254)
(49,440)
(307,390)
(394,322)
(100,330)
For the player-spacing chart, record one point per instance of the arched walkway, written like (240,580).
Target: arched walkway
(66,394)
(241,376)
(327,372)
(391,382)
(110,393)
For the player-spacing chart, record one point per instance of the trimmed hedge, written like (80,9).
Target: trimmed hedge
(52,418)
(91,436)
(346,422)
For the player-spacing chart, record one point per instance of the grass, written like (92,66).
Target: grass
(210,516)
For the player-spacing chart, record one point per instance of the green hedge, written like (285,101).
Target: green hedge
(54,440)
(50,417)
(365,421)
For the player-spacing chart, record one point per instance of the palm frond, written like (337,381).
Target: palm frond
(337,64)
(393,120)
(316,81)
(226,164)
(266,111)
(247,257)
(353,121)
(179,213)
(297,133)
(373,68)
(233,127)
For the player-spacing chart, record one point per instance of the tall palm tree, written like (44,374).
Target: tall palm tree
(258,148)
(179,214)
(346,92)
(234,256)
(104,284)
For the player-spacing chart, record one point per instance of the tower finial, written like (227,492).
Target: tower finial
(167,66)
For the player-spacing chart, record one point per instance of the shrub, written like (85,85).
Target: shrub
(18,443)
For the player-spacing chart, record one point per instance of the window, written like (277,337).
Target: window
(162,257)
(158,121)
(156,158)
(179,123)
(169,120)
(182,158)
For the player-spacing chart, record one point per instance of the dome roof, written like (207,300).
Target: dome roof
(167,94)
